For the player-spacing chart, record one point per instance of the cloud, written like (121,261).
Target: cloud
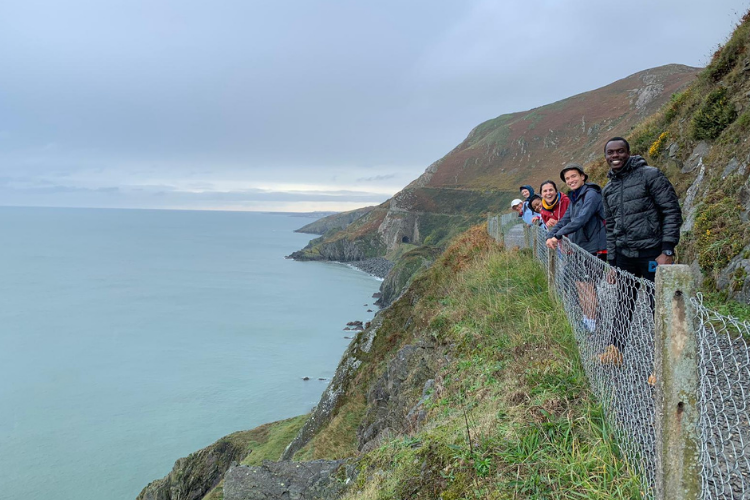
(377,178)
(196,97)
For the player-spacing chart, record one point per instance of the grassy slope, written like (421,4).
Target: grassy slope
(513,384)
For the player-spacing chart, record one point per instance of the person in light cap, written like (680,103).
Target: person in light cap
(524,210)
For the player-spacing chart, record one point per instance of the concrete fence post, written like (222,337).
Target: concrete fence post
(677,423)
(551,280)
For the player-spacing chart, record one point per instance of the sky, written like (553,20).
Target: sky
(305,105)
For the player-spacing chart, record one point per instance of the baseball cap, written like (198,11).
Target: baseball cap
(515,202)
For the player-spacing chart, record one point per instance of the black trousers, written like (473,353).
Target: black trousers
(643,266)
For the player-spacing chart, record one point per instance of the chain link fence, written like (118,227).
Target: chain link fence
(724,368)
(612,315)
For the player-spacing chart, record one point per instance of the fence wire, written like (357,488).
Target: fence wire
(612,315)
(724,368)
(611,312)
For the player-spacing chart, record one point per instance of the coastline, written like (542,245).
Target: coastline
(378,267)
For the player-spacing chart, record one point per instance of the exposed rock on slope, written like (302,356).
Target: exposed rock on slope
(284,480)
(195,475)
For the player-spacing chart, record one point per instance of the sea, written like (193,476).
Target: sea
(131,338)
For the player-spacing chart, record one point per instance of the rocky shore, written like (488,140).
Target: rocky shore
(377,266)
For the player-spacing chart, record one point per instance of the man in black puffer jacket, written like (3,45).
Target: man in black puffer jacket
(643,220)
(642,212)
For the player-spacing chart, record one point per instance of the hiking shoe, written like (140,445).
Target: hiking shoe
(611,356)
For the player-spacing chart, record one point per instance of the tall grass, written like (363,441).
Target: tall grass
(511,415)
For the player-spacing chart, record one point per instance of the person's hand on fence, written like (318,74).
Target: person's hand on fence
(612,276)
(665,260)
(551,223)
(552,243)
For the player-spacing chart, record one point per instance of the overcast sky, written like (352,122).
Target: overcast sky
(296,105)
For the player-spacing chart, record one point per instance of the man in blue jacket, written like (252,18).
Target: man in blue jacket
(583,224)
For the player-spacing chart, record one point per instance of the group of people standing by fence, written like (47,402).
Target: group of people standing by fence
(633,223)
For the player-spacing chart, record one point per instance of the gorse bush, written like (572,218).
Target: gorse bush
(658,145)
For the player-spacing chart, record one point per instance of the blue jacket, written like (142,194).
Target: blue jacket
(528,213)
(583,222)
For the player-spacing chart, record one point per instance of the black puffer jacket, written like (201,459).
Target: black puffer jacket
(641,209)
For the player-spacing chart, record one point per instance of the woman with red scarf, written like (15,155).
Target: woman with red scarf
(554,203)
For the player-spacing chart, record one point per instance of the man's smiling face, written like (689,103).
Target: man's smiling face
(616,153)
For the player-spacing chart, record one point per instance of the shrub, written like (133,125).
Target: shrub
(658,145)
(643,137)
(715,114)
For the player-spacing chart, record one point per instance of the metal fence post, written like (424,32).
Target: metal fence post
(551,279)
(677,422)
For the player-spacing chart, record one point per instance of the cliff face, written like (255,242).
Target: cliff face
(195,475)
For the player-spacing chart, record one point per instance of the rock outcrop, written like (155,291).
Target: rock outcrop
(198,473)
(316,480)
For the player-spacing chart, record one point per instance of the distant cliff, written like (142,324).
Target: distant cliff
(334,221)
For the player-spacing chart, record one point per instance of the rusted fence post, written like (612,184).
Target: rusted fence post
(676,369)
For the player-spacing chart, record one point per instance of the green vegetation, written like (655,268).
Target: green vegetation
(510,415)
(719,302)
(714,115)
(266,442)
(719,233)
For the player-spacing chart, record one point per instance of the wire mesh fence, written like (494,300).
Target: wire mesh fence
(612,315)
(724,368)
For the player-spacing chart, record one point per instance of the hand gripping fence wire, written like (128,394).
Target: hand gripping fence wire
(612,315)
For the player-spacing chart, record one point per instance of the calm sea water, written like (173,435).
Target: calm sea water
(131,338)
